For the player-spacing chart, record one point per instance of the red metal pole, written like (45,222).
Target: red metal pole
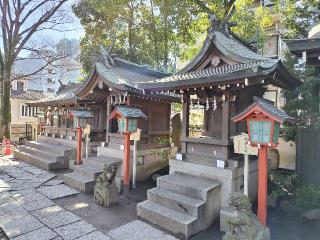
(262,185)
(79,145)
(126,163)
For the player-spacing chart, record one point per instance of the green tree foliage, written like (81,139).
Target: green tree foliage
(146,32)
(303,102)
(297,17)
(162,33)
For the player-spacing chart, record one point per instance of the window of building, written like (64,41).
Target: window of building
(27,111)
(20,86)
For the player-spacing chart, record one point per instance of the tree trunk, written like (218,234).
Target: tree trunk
(166,38)
(6,105)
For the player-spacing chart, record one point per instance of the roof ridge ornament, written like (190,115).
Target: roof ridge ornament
(219,25)
(105,57)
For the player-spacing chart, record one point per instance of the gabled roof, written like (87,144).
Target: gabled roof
(239,62)
(81,113)
(228,46)
(128,112)
(119,74)
(267,107)
(299,45)
(27,95)
(65,96)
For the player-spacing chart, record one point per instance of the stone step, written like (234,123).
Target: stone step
(99,161)
(111,152)
(40,153)
(37,161)
(87,170)
(47,146)
(175,201)
(195,187)
(173,221)
(80,182)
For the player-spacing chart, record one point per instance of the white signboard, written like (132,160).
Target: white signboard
(87,129)
(136,136)
(241,145)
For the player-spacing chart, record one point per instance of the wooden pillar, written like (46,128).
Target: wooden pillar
(185,121)
(108,120)
(225,134)
(45,117)
(262,185)
(149,124)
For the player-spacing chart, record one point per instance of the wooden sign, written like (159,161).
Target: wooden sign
(241,145)
(87,129)
(136,136)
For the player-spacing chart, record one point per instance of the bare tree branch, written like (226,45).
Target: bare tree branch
(41,20)
(21,19)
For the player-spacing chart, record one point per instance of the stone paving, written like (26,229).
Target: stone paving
(27,211)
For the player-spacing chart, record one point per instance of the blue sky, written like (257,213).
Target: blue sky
(76,33)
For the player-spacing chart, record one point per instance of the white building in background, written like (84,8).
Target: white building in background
(24,121)
(66,70)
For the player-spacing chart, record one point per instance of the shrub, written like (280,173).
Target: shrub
(307,197)
(284,183)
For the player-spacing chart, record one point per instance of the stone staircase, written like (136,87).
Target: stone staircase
(46,155)
(182,204)
(83,176)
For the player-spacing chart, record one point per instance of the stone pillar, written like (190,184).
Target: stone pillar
(185,121)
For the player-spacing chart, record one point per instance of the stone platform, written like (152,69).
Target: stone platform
(46,155)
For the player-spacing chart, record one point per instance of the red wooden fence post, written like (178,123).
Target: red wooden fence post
(262,185)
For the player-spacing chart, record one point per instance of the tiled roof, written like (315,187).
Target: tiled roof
(247,63)
(122,74)
(67,96)
(82,113)
(268,107)
(28,95)
(300,45)
(130,112)
(207,75)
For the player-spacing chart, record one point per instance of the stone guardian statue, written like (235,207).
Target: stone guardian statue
(105,189)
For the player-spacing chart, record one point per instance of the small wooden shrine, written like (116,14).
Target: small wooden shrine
(113,83)
(223,79)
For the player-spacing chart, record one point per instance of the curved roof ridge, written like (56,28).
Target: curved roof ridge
(144,68)
(211,71)
(229,45)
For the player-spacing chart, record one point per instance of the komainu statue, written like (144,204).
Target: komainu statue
(245,226)
(105,189)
